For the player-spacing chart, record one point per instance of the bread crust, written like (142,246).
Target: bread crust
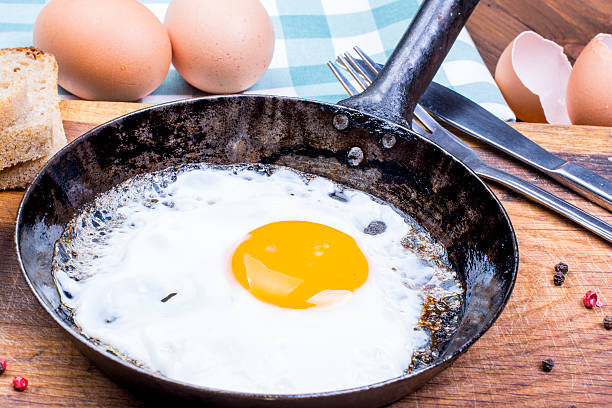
(31,129)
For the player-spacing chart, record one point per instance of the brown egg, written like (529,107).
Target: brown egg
(220,46)
(524,103)
(115,50)
(589,90)
(532,74)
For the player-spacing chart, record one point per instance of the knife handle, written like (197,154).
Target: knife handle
(535,193)
(584,182)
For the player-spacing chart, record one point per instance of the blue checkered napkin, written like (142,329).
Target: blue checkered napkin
(308,34)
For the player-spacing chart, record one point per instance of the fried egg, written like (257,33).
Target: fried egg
(249,279)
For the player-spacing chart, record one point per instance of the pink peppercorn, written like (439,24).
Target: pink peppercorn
(20,383)
(590,300)
(2,365)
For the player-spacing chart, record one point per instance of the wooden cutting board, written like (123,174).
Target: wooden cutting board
(502,368)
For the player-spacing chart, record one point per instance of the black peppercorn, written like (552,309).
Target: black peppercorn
(547,365)
(561,267)
(608,322)
(559,278)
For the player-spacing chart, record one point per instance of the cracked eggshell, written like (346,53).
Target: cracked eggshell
(220,47)
(112,50)
(589,90)
(532,74)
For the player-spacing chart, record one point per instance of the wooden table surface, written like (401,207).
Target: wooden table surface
(502,368)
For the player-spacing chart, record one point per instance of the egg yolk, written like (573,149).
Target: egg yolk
(299,264)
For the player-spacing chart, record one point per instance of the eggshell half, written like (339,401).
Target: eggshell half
(115,50)
(589,90)
(220,46)
(532,74)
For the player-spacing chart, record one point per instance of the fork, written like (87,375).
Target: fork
(425,125)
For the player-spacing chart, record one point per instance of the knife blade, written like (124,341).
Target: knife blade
(469,117)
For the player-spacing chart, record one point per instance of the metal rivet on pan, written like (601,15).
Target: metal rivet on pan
(388,141)
(340,121)
(355,156)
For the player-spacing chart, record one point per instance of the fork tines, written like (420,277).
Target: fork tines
(363,71)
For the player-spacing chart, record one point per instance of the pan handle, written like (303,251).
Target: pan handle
(414,62)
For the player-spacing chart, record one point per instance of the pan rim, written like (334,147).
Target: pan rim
(258,396)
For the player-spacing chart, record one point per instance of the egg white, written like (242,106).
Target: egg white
(214,333)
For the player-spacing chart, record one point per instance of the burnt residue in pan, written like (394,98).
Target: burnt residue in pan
(443,305)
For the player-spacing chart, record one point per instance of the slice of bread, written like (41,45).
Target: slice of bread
(22,174)
(13,95)
(30,134)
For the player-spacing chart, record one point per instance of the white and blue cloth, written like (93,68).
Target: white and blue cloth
(308,34)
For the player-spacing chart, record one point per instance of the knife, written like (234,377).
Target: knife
(433,131)
(469,117)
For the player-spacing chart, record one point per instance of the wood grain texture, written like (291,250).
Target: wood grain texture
(569,23)
(502,368)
